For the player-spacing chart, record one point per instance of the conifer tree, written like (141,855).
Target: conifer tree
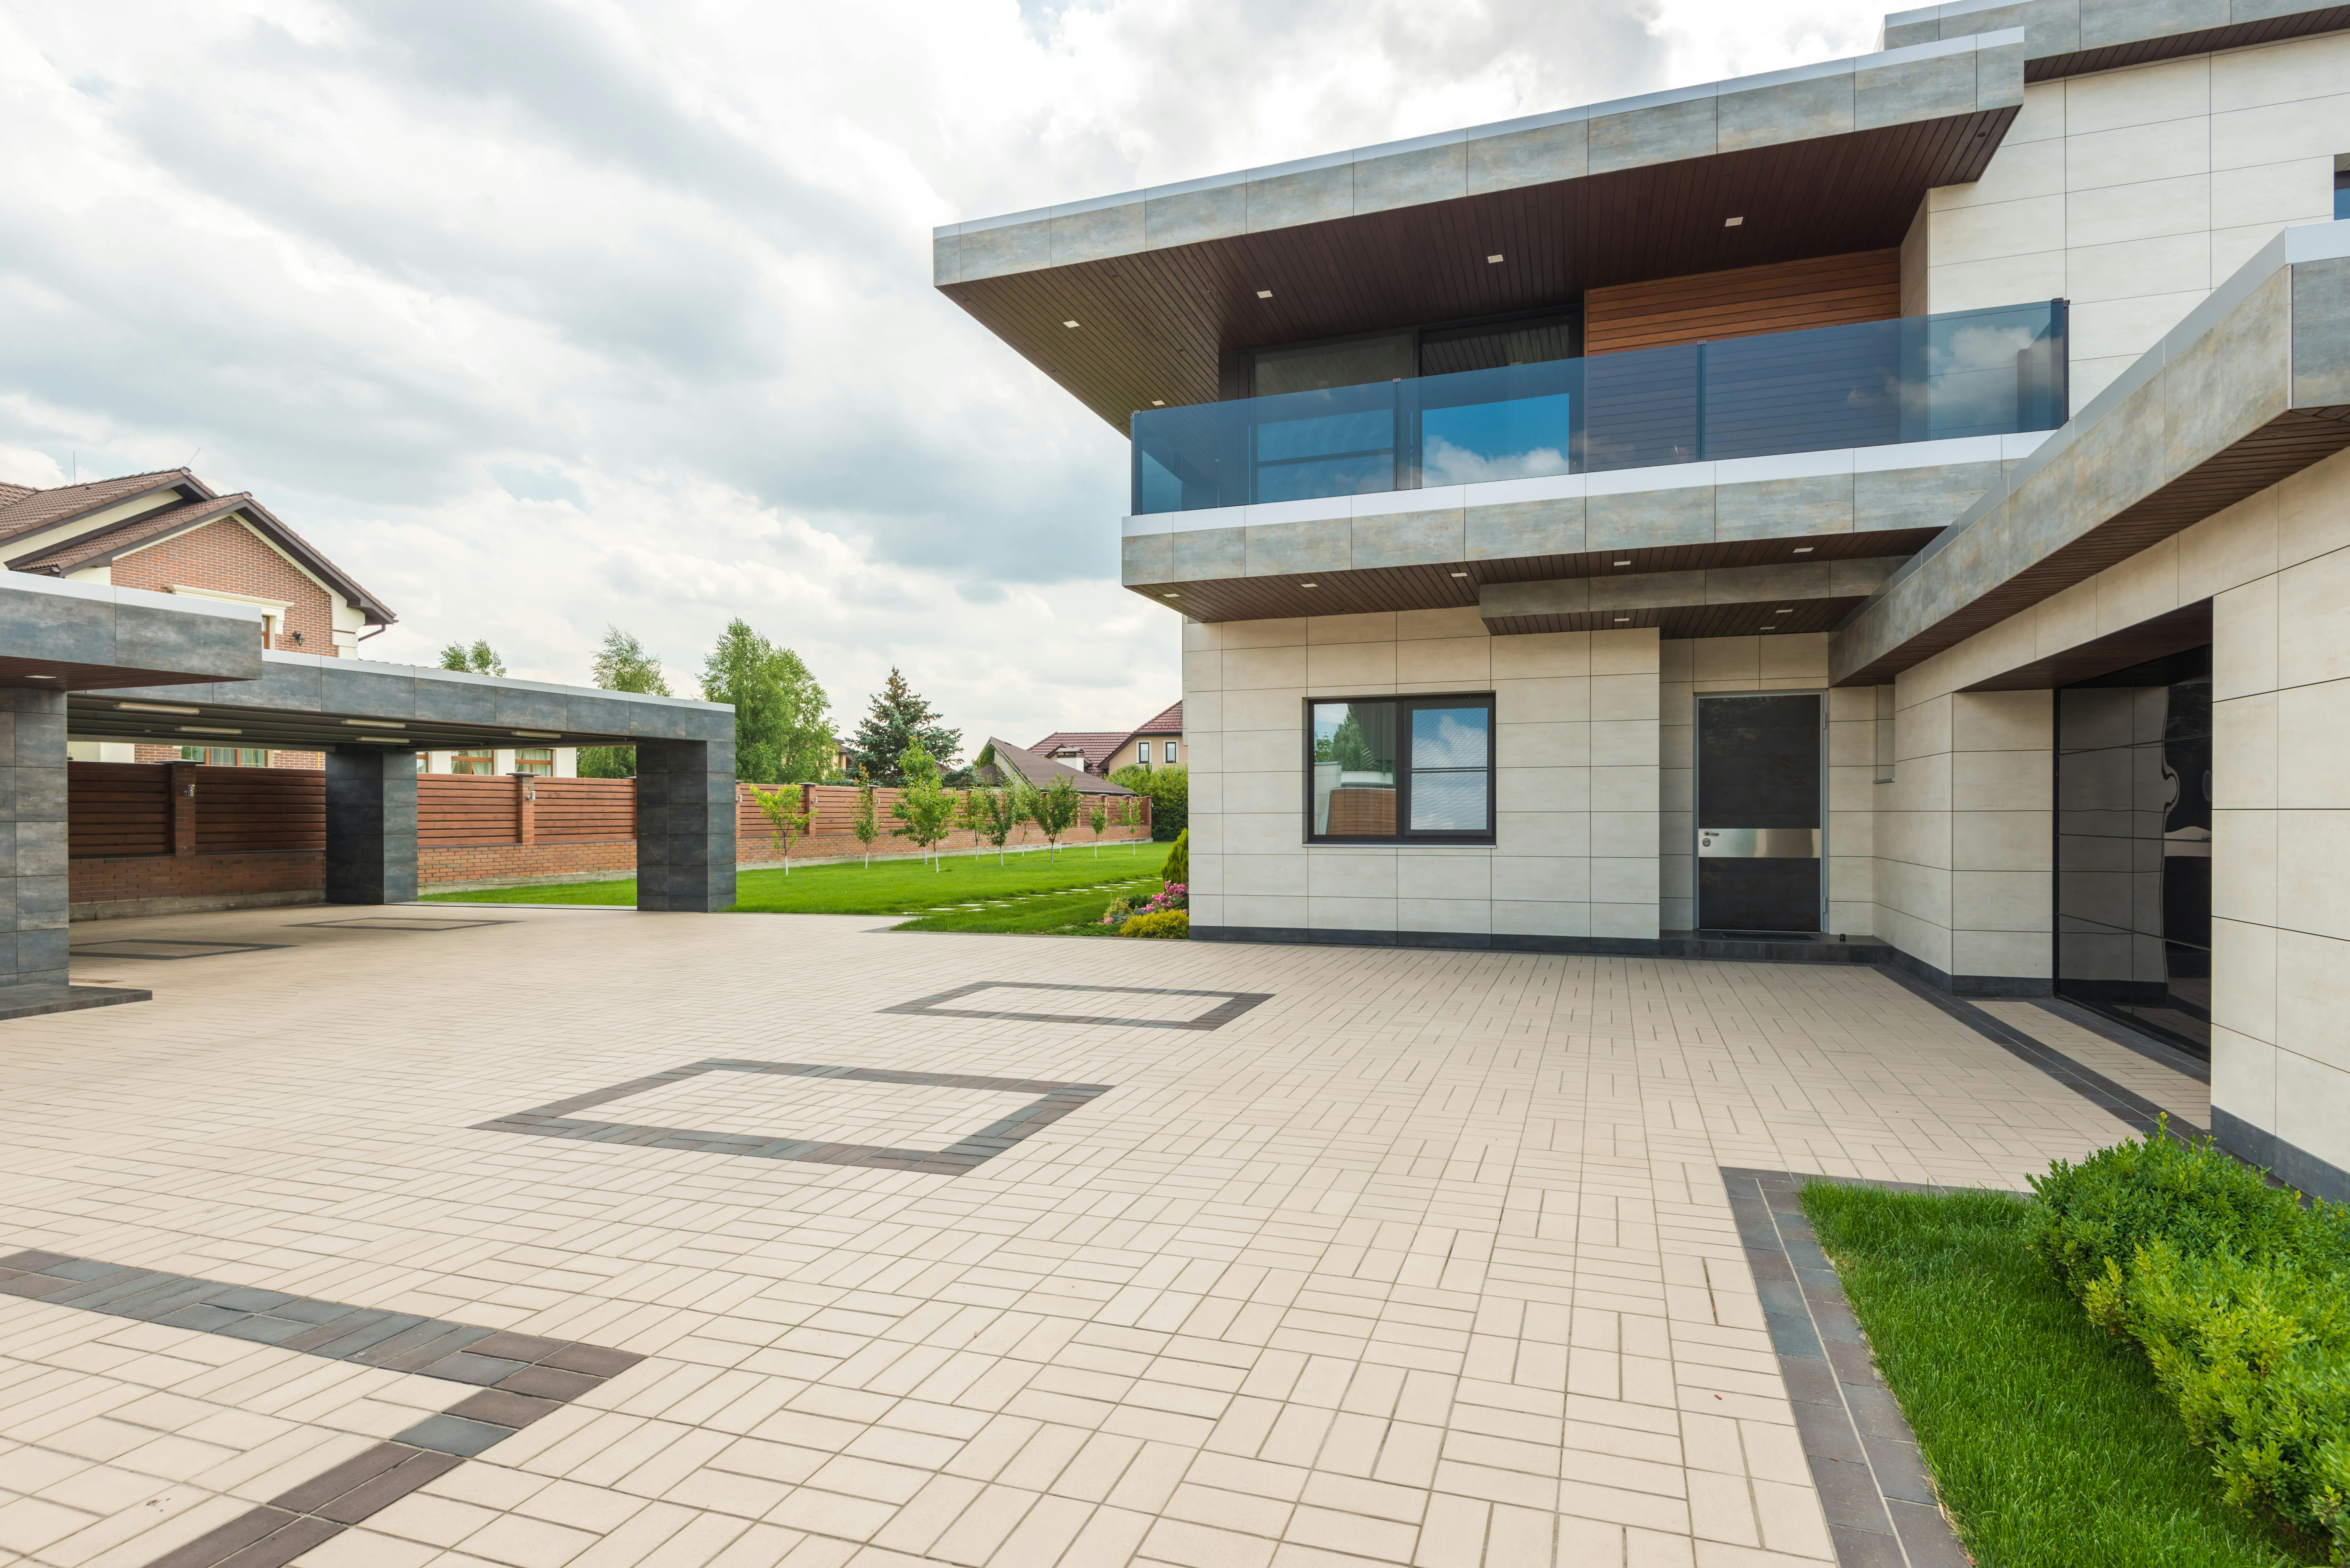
(900,720)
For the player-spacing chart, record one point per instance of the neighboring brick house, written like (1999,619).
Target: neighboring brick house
(170,533)
(1104,752)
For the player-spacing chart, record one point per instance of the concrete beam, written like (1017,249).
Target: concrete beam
(2072,38)
(1730,602)
(2252,387)
(70,636)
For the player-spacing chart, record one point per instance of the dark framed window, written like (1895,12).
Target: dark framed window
(1400,770)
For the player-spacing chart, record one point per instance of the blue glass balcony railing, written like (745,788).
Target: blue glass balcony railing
(1872,383)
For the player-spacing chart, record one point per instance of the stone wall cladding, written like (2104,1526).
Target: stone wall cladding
(232,558)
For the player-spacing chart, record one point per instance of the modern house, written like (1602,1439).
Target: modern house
(1892,508)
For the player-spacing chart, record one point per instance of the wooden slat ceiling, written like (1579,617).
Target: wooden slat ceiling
(1690,620)
(1437,586)
(1153,325)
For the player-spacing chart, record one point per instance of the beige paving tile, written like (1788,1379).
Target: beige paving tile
(1424,1260)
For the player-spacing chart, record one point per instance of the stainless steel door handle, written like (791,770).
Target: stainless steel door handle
(1758,843)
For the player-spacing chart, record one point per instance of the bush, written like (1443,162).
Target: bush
(1169,789)
(1179,859)
(2241,1299)
(1174,923)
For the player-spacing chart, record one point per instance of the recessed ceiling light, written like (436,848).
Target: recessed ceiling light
(156,708)
(1489,260)
(40,678)
(537,734)
(1804,549)
(1264,294)
(1460,573)
(1769,629)
(1170,596)
(378,723)
(388,740)
(1309,585)
(1788,611)
(206,729)
(1158,402)
(1623,563)
(1068,324)
(1731,222)
(1622,618)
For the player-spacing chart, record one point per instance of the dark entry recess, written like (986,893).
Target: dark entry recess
(1758,813)
(2134,847)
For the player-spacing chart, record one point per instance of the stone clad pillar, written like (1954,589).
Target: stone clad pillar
(33,838)
(370,827)
(685,825)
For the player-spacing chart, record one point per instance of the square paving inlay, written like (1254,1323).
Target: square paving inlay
(165,948)
(1034,1001)
(840,1117)
(403,923)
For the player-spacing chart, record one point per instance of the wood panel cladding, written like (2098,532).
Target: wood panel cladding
(1786,296)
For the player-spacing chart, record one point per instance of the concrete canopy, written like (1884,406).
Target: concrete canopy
(1160,283)
(66,637)
(307,702)
(2251,387)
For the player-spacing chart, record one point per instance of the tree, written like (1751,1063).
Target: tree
(621,664)
(900,720)
(923,804)
(479,660)
(1169,789)
(998,814)
(780,735)
(787,822)
(1098,817)
(864,822)
(1053,809)
(967,813)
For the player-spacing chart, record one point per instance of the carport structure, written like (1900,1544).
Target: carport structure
(95,662)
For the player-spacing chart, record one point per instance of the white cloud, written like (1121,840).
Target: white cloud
(542,316)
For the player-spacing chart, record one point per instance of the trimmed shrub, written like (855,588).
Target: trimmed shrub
(2241,1299)
(1174,923)
(1179,860)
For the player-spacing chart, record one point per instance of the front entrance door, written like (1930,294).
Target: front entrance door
(1757,812)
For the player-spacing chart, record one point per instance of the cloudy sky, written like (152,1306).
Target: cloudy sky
(542,316)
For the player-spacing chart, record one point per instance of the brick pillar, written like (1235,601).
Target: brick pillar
(33,850)
(183,808)
(525,809)
(685,825)
(370,827)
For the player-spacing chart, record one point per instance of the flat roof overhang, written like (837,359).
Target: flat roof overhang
(1820,160)
(2250,389)
(307,702)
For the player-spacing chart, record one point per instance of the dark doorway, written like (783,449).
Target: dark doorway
(1758,813)
(2134,847)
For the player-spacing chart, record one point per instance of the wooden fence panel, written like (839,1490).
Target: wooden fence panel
(242,810)
(571,809)
(467,808)
(118,808)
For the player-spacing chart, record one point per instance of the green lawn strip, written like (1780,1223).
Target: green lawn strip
(1070,914)
(2051,1444)
(893,887)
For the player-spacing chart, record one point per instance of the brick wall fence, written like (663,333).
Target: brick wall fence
(166,837)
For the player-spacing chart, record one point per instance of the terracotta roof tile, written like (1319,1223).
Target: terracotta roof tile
(1041,771)
(39,508)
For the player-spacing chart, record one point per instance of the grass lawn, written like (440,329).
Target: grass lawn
(2051,1444)
(897,886)
(1066,914)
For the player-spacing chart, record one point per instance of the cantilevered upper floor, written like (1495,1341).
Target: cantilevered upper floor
(1148,298)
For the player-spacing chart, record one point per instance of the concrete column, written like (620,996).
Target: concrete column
(685,825)
(32,838)
(370,827)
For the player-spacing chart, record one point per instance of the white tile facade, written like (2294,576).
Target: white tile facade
(2133,192)
(1576,717)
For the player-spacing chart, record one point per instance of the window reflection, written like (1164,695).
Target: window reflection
(1403,768)
(1355,769)
(1451,748)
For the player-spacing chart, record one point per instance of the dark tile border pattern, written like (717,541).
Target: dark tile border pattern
(2132,1108)
(965,1154)
(516,1378)
(1880,1504)
(1235,1004)
(211,950)
(39,1000)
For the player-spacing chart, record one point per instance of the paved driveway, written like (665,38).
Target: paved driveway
(593,1238)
